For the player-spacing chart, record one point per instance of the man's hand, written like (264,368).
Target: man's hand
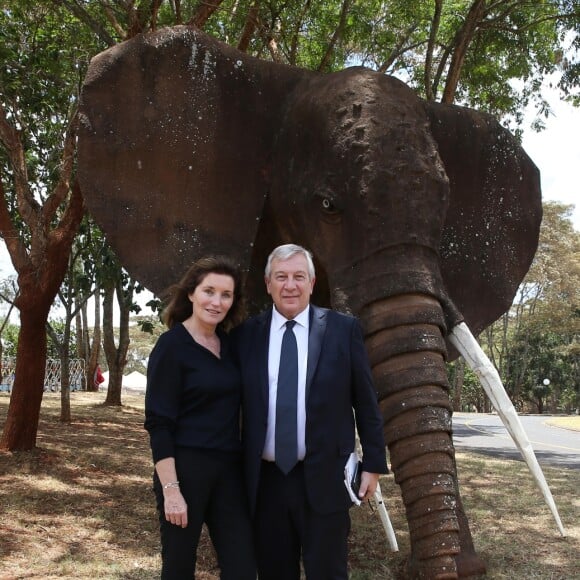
(368,485)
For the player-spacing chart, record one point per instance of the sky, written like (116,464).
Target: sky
(557,154)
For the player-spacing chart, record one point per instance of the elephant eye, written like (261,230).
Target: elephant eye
(328,206)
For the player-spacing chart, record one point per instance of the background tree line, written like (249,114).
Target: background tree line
(489,54)
(536,344)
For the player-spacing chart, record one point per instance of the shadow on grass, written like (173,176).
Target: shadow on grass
(83,498)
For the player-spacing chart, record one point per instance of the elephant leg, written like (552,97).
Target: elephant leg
(404,338)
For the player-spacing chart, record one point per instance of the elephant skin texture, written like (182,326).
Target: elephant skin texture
(419,216)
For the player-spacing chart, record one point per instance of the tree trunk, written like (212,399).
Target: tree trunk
(65,414)
(111,352)
(94,347)
(116,355)
(41,263)
(81,340)
(554,398)
(21,425)
(458,383)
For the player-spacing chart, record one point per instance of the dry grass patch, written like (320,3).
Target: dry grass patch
(513,530)
(571,422)
(81,506)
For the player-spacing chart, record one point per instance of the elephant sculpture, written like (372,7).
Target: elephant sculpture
(420,217)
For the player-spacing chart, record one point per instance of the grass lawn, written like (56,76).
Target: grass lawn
(81,506)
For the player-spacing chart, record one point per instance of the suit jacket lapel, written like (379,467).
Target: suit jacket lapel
(317,322)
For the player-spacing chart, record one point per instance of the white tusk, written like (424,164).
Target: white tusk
(469,348)
(385,520)
(381,507)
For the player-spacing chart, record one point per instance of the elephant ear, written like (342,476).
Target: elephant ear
(495,209)
(176,132)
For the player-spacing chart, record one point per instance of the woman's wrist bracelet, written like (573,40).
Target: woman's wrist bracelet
(171,484)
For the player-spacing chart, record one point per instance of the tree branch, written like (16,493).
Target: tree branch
(429,92)
(62,187)
(249,26)
(176,7)
(122,33)
(79,11)
(339,31)
(61,237)
(296,33)
(10,137)
(400,49)
(461,44)
(440,68)
(203,12)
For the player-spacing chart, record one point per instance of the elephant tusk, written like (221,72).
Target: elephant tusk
(385,520)
(381,507)
(464,341)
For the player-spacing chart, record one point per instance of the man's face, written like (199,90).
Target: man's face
(290,285)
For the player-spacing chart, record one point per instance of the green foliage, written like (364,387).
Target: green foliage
(510,45)
(44,54)
(540,337)
(472,396)
(547,367)
(148,324)
(58,327)
(511,48)
(144,334)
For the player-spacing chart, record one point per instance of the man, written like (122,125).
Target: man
(296,485)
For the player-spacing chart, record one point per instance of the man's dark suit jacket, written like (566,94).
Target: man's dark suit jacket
(338,380)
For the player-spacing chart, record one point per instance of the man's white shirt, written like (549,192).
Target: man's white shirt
(277,329)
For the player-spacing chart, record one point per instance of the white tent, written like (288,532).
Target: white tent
(135,381)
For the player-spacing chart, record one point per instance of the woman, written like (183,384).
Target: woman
(192,409)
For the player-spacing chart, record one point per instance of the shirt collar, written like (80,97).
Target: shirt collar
(278,321)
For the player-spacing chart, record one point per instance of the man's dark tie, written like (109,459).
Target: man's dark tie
(286,402)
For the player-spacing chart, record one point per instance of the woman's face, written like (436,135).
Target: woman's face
(212,298)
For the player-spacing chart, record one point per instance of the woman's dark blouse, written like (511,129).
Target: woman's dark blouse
(193,397)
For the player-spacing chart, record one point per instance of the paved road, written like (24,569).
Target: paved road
(485,433)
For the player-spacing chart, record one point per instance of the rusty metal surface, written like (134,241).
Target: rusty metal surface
(183,139)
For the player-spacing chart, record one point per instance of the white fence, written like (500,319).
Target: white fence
(52,374)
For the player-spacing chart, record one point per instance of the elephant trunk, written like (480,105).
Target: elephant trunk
(404,339)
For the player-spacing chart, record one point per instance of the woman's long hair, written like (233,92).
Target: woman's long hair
(179,306)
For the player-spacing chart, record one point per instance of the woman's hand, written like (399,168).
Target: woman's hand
(174,504)
(175,507)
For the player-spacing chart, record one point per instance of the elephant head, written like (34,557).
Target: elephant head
(420,216)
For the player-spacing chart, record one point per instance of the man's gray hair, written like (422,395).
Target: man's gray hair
(287,251)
